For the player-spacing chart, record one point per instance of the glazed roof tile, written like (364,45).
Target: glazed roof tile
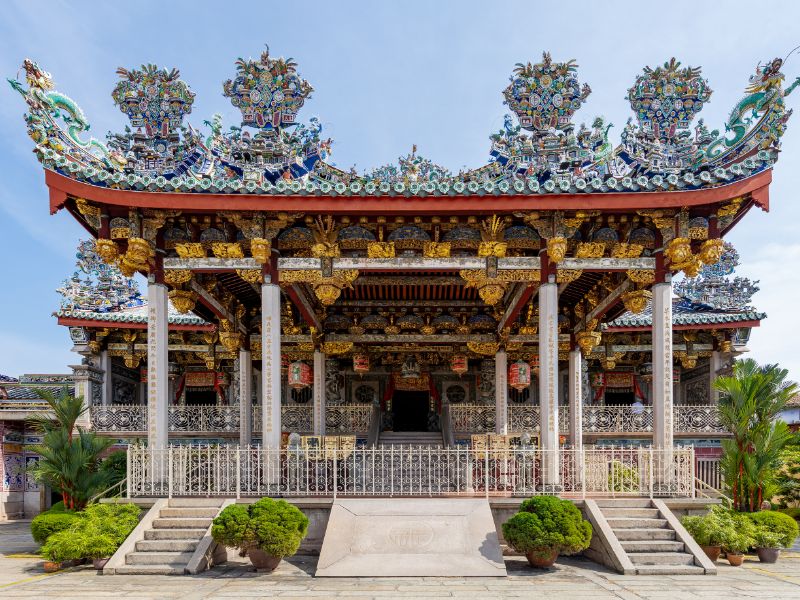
(684,314)
(136,314)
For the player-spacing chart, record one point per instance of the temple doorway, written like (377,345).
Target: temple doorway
(197,397)
(410,411)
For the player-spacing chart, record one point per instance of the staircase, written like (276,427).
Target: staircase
(170,542)
(410,438)
(649,538)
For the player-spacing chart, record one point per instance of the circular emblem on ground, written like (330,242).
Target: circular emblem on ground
(411,535)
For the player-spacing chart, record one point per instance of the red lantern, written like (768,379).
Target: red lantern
(361,363)
(299,375)
(519,375)
(459,364)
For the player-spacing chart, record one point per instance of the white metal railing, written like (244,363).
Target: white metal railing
(479,418)
(707,470)
(408,471)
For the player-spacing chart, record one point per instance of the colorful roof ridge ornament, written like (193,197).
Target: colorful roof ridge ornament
(267,91)
(667,98)
(545,95)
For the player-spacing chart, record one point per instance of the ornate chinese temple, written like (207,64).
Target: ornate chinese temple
(530,296)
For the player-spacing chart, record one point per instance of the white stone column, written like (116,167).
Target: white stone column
(270,365)
(662,364)
(575,399)
(548,379)
(107,396)
(501,392)
(319,393)
(245,397)
(157,358)
(714,365)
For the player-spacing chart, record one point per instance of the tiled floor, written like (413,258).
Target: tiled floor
(22,577)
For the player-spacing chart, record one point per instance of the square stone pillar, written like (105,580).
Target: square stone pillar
(662,365)
(107,395)
(270,365)
(714,365)
(548,380)
(88,381)
(319,393)
(575,399)
(157,359)
(245,397)
(501,392)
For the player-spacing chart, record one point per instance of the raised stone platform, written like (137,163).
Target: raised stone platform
(404,537)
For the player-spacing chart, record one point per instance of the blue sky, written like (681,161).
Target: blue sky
(386,75)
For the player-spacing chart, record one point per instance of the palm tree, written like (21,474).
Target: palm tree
(70,455)
(749,405)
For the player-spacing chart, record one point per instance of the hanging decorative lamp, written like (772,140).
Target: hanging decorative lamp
(361,363)
(299,375)
(519,375)
(459,364)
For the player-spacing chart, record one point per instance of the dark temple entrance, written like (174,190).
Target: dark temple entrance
(410,411)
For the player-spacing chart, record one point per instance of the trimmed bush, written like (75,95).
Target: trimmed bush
(274,526)
(545,523)
(778,523)
(731,530)
(96,532)
(48,523)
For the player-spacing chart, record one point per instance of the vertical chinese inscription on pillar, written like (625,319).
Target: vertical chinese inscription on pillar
(552,366)
(667,379)
(266,367)
(152,373)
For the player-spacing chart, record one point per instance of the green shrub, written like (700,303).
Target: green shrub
(776,522)
(721,527)
(58,507)
(274,526)
(47,523)
(64,545)
(764,538)
(96,532)
(545,523)
(623,478)
(793,512)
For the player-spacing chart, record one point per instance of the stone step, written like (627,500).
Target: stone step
(634,534)
(623,502)
(661,558)
(179,523)
(189,512)
(608,513)
(174,534)
(150,570)
(652,546)
(166,545)
(158,558)
(669,570)
(194,502)
(636,523)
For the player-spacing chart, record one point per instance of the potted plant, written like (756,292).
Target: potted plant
(267,530)
(712,530)
(738,538)
(768,545)
(545,527)
(773,531)
(59,548)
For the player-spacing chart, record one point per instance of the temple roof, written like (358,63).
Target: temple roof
(23,389)
(135,314)
(539,150)
(683,314)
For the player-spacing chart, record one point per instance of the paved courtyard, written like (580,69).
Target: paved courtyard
(21,577)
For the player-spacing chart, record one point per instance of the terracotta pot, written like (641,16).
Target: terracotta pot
(99,563)
(736,560)
(542,560)
(51,567)
(261,560)
(712,552)
(768,555)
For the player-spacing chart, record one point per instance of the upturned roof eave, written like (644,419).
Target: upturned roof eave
(62,187)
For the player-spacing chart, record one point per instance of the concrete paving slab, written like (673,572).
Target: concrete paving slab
(391,537)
